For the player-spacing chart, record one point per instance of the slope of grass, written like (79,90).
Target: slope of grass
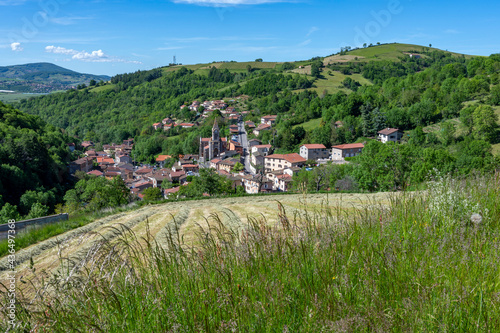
(426,262)
(15,97)
(310,125)
(388,52)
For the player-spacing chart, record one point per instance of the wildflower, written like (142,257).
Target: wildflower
(476,219)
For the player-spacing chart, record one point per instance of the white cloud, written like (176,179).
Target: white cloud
(451,31)
(311,31)
(224,3)
(304,43)
(94,56)
(60,50)
(68,20)
(16,47)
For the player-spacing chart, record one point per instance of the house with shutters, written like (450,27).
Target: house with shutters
(282,161)
(389,134)
(314,152)
(340,152)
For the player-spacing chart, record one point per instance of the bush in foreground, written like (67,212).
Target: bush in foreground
(427,261)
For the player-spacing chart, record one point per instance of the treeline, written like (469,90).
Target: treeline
(273,83)
(34,160)
(390,166)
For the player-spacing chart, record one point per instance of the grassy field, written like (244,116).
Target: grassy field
(106,87)
(331,81)
(420,261)
(15,97)
(390,51)
(310,125)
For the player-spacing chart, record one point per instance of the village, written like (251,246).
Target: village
(247,163)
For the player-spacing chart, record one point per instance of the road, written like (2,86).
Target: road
(243,139)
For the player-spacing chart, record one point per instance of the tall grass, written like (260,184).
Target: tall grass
(36,233)
(419,264)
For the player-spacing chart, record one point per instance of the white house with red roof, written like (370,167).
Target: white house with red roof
(314,151)
(282,161)
(389,134)
(340,152)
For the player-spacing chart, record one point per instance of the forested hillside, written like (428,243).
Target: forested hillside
(43,78)
(457,95)
(34,158)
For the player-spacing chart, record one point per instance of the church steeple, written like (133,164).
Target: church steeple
(215,131)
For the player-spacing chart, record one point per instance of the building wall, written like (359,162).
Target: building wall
(313,154)
(340,154)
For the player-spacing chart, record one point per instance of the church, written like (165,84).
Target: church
(213,147)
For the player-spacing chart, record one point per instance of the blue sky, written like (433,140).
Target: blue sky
(118,36)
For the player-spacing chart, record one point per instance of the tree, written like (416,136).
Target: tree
(238,167)
(258,60)
(38,210)
(315,69)
(485,123)
(447,133)
(467,119)
(152,194)
(9,212)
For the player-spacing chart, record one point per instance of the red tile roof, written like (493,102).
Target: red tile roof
(162,158)
(349,146)
(314,146)
(388,131)
(95,173)
(292,158)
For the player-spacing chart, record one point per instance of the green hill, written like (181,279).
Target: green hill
(42,78)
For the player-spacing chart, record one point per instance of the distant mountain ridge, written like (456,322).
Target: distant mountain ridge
(43,78)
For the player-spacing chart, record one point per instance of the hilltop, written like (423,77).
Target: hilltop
(42,78)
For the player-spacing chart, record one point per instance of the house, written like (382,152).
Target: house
(167,120)
(71,147)
(178,177)
(234,129)
(142,185)
(260,128)
(340,152)
(84,164)
(171,193)
(227,164)
(256,161)
(338,124)
(186,125)
(122,158)
(129,142)
(269,120)
(157,126)
(190,168)
(262,149)
(158,177)
(87,144)
(162,159)
(389,134)
(250,124)
(314,152)
(96,173)
(214,163)
(236,146)
(254,142)
(282,182)
(143,171)
(251,184)
(91,153)
(283,161)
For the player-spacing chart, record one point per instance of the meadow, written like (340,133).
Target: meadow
(408,261)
